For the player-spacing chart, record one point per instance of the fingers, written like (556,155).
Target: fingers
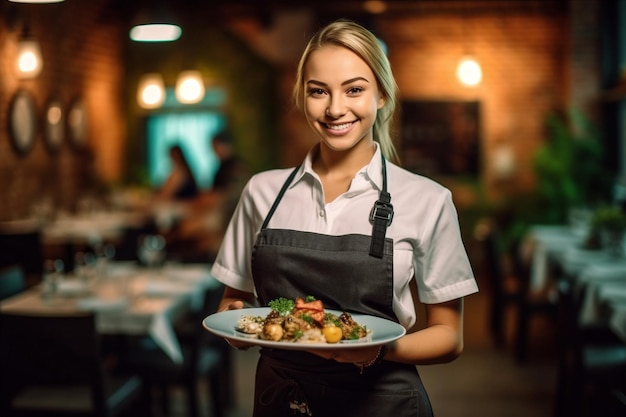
(236,305)
(239,345)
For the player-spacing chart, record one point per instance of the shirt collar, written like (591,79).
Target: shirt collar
(372,171)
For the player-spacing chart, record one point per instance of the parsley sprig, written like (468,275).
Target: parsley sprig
(282,305)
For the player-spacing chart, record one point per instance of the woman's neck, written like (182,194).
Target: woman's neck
(337,169)
(343,163)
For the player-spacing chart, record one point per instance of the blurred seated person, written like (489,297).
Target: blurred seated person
(181,184)
(202,230)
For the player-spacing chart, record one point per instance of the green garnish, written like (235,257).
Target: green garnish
(307,318)
(354,334)
(331,318)
(309,298)
(282,305)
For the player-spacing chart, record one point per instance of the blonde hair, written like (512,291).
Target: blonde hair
(362,42)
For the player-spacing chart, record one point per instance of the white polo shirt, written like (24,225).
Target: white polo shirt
(425,229)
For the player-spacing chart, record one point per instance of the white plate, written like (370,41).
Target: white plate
(381,330)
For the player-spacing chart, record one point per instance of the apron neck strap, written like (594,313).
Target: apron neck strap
(279,197)
(381,216)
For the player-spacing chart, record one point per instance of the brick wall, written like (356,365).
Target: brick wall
(82,59)
(528,65)
(523,61)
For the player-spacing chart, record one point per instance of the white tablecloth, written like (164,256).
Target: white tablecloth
(597,276)
(128,300)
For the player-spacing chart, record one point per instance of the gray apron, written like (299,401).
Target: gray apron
(349,273)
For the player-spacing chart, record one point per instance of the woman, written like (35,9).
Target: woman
(352,230)
(181,183)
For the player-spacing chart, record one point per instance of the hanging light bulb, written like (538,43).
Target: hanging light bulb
(189,87)
(28,63)
(151,91)
(469,72)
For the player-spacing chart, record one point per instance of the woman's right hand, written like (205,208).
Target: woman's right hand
(236,300)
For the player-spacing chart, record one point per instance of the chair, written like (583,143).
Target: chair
(592,368)
(53,366)
(505,288)
(533,302)
(12,281)
(202,358)
(127,247)
(509,280)
(25,248)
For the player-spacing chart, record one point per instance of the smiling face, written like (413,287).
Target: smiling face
(341,98)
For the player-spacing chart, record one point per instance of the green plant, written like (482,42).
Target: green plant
(570,166)
(609,218)
(570,171)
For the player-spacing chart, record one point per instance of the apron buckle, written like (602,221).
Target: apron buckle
(381,211)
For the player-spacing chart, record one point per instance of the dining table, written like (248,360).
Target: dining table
(597,276)
(127,298)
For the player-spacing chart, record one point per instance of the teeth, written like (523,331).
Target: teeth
(339,127)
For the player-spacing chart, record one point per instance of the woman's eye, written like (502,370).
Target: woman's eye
(355,90)
(316,91)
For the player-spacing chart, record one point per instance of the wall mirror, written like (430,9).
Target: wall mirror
(77,123)
(54,125)
(22,121)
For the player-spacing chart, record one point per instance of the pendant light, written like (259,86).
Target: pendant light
(151,91)
(155,32)
(189,87)
(28,62)
(155,25)
(469,71)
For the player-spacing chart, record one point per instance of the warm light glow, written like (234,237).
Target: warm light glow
(189,87)
(151,91)
(36,1)
(469,72)
(29,62)
(375,6)
(54,114)
(157,32)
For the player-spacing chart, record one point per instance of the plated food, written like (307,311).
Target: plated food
(227,324)
(303,320)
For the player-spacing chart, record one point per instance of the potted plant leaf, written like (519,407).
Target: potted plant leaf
(609,222)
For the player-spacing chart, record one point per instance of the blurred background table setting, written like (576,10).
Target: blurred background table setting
(127,297)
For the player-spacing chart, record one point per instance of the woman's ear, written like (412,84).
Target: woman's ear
(381,102)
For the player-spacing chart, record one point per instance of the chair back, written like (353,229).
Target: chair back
(44,350)
(212,298)
(12,281)
(24,248)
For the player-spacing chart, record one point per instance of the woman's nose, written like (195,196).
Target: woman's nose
(335,109)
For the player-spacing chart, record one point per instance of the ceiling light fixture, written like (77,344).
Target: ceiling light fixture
(155,32)
(156,24)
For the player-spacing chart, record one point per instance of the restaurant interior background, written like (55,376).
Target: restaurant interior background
(552,70)
(537,58)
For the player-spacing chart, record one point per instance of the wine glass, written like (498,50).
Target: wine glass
(151,250)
